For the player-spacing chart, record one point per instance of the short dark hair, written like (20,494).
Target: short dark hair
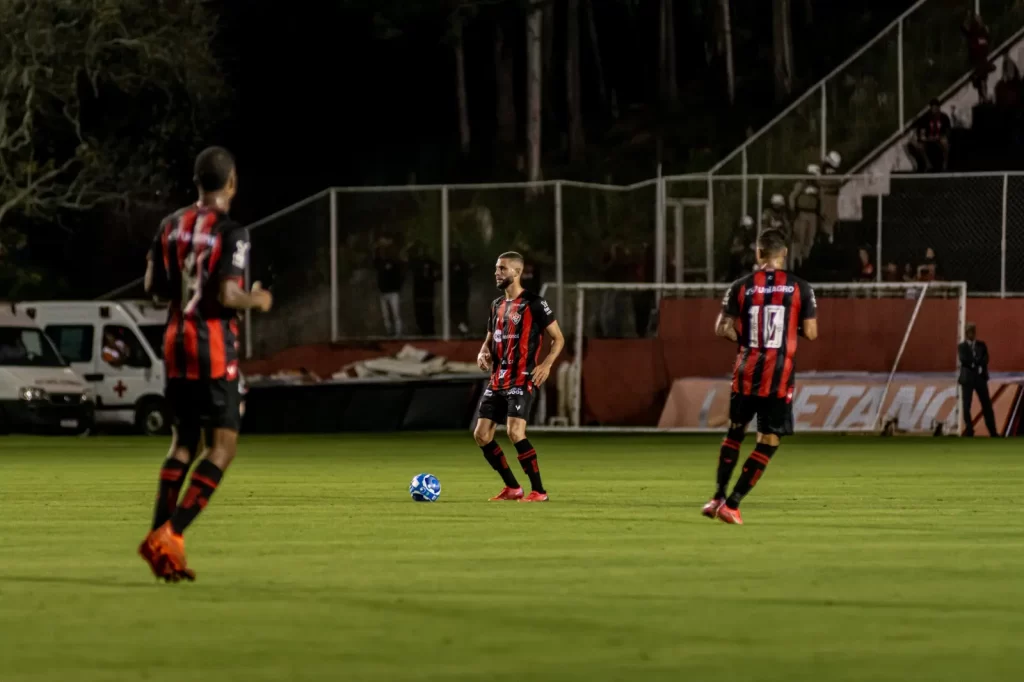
(771,243)
(213,169)
(512,255)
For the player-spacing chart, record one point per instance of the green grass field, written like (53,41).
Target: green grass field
(862,559)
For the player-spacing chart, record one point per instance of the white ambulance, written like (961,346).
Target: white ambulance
(39,392)
(117,347)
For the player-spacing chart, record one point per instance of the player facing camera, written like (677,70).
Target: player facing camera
(518,321)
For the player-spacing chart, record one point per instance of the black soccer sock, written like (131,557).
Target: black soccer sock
(172,477)
(753,469)
(496,458)
(528,460)
(728,456)
(205,480)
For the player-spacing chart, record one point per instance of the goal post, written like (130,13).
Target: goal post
(885,359)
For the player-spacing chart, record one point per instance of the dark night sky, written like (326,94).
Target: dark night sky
(321,100)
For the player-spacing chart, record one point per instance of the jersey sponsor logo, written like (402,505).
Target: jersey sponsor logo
(240,255)
(773,289)
(546,307)
(514,391)
(203,238)
(497,336)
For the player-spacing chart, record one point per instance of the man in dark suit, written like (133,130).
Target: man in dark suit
(974,378)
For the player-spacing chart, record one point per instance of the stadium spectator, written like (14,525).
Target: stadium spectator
(828,185)
(891,273)
(390,276)
(742,249)
(643,301)
(973,356)
(978,48)
(425,274)
(1009,95)
(930,147)
(908,273)
(613,306)
(805,204)
(775,217)
(928,269)
(866,269)
(460,272)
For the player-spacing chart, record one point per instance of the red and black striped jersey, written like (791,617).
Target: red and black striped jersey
(517,327)
(195,250)
(769,307)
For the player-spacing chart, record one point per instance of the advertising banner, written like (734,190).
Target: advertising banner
(918,403)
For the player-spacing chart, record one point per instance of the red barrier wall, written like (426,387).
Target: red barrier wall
(626,380)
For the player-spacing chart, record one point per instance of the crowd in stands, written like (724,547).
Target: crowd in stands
(995,136)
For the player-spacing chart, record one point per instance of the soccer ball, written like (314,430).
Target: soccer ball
(425,488)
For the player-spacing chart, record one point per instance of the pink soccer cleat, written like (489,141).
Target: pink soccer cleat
(710,509)
(508,494)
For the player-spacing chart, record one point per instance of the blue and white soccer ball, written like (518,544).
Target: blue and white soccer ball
(425,488)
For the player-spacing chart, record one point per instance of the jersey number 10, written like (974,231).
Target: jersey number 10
(767,326)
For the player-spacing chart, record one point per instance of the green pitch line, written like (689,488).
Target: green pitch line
(862,559)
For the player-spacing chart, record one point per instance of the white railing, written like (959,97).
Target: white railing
(877,92)
(319,253)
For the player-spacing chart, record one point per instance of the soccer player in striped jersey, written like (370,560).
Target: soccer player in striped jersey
(763,313)
(519,320)
(197,263)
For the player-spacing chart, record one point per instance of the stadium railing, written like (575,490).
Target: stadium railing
(875,92)
(318,255)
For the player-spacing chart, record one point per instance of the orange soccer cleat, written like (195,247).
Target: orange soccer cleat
(164,551)
(730,515)
(508,494)
(710,509)
(535,497)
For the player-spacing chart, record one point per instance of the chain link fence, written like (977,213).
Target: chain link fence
(373,263)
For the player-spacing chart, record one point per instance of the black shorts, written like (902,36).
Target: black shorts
(500,404)
(774,414)
(210,404)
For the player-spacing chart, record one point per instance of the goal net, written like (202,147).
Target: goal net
(644,357)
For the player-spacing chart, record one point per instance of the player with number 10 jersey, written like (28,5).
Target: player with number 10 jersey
(764,313)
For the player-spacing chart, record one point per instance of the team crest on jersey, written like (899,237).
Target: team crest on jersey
(516,317)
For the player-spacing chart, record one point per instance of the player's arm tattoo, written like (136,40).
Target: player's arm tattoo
(554,332)
(725,326)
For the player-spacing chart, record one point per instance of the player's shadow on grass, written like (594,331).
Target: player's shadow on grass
(71,580)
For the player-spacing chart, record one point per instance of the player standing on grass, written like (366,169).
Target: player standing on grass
(197,263)
(510,352)
(764,313)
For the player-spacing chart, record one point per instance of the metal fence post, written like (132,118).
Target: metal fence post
(559,251)
(878,242)
(659,230)
(334,266)
(824,122)
(709,230)
(744,162)
(446,304)
(1002,248)
(760,203)
(899,73)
